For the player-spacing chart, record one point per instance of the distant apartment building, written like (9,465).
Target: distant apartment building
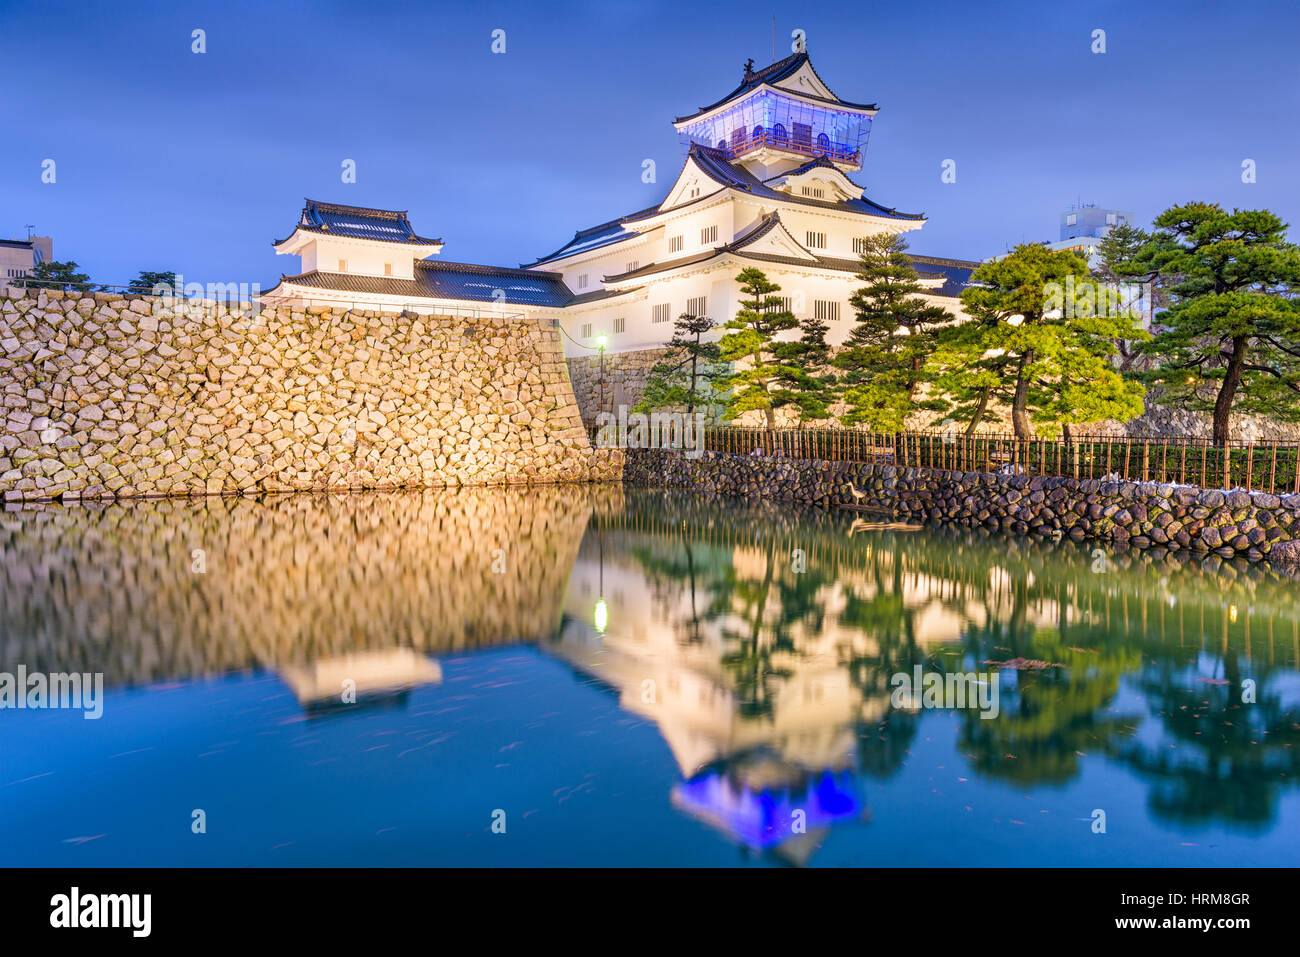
(1083,227)
(18,257)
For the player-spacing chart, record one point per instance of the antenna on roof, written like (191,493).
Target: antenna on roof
(30,227)
(773,38)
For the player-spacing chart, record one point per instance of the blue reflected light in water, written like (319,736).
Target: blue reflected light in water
(732,711)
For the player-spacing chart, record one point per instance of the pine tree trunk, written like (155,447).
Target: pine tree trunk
(979,413)
(690,404)
(1228,390)
(1019,404)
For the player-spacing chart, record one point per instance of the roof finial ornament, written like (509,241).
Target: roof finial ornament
(749,68)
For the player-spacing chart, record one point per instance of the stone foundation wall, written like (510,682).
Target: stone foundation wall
(111,397)
(1254,525)
(129,589)
(625,378)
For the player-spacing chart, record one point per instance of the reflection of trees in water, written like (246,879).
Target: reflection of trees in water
(1051,717)
(1014,599)
(760,626)
(883,745)
(890,624)
(1230,760)
(667,567)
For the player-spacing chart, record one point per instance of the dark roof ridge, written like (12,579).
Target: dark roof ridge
(771,75)
(370,210)
(483,268)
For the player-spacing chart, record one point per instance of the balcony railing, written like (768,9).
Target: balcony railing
(836,152)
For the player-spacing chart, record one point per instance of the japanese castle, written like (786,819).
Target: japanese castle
(765,183)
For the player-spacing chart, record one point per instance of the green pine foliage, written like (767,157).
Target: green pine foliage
(769,373)
(1037,343)
(57,275)
(1230,339)
(885,360)
(685,377)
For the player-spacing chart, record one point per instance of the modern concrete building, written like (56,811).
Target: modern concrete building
(18,257)
(1084,226)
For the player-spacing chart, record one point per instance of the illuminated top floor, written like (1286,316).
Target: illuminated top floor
(780,116)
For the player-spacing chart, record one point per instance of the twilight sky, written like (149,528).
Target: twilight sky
(167,159)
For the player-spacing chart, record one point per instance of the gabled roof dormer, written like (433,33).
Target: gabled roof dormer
(770,237)
(819,179)
(693,183)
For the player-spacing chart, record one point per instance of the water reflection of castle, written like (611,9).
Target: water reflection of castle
(770,686)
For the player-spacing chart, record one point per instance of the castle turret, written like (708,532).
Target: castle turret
(778,117)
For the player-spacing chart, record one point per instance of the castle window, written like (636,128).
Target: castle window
(661,312)
(698,306)
(709,234)
(343,265)
(823,143)
(582,281)
(388,269)
(859,244)
(816,240)
(620,324)
(779,134)
(758,133)
(816,192)
(825,310)
(586,330)
(674,244)
(633,265)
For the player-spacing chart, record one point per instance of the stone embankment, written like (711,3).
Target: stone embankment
(1143,515)
(112,397)
(147,591)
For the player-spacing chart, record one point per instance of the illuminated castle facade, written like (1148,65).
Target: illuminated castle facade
(765,183)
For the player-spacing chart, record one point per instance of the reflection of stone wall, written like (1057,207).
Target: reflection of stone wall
(289,580)
(110,397)
(625,378)
(1139,514)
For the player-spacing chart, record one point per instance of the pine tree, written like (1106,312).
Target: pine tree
(146,281)
(805,380)
(1117,264)
(771,374)
(1230,340)
(884,359)
(57,275)
(1036,341)
(685,376)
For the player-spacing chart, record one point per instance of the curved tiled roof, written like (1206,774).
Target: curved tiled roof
(713,163)
(358,222)
(770,76)
(954,272)
(447,280)
(596,236)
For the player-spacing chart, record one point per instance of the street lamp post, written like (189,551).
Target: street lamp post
(601,342)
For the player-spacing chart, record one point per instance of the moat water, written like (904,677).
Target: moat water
(600,676)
